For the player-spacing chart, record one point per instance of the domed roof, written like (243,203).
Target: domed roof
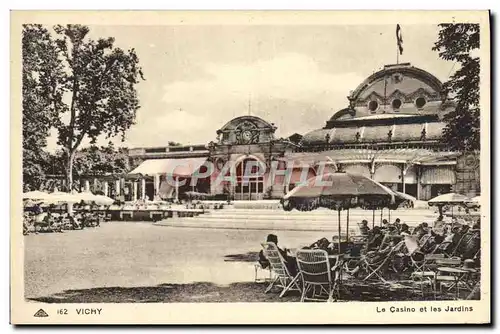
(396,89)
(400,103)
(366,134)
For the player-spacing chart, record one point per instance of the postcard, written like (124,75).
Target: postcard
(250,167)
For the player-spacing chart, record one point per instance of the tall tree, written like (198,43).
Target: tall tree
(40,69)
(95,94)
(456,42)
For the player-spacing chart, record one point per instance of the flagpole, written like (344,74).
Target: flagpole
(397,54)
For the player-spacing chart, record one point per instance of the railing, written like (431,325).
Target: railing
(433,145)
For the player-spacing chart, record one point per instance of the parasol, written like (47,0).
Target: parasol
(35,195)
(103,200)
(475,201)
(451,198)
(448,199)
(340,191)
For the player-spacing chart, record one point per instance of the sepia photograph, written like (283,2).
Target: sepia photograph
(190,160)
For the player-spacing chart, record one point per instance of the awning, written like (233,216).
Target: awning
(389,173)
(178,167)
(439,175)
(357,169)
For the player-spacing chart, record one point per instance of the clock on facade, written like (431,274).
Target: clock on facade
(247,133)
(247,136)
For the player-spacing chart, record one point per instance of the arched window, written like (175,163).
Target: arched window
(249,182)
(373,105)
(396,104)
(420,102)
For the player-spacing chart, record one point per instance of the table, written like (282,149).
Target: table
(460,275)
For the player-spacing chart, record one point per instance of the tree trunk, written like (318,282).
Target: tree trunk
(69,171)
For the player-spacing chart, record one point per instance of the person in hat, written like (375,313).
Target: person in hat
(375,239)
(405,229)
(385,224)
(477,225)
(397,224)
(290,261)
(364,229)
(469,265)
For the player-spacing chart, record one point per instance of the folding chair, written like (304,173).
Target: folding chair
(317,274)
(424,271)
(442,277)
(283,279)
(266,274)
(377,265)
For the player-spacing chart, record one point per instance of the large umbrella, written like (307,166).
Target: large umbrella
(58,197)
(340,191)
(35,195)
(104,200)
(84,196)
(448,199)
(475,201)
(451,198)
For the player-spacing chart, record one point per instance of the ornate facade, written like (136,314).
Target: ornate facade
(389,131)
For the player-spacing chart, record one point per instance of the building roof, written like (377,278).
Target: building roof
(400,103)
(375,134)
(406,155)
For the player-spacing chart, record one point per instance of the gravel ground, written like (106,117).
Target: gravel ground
(125,254)
(139,262)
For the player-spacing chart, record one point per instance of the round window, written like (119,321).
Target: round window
(420,102)
(373,105)
(396,104)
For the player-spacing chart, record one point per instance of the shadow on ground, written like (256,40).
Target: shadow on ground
(247,257)
(236,292)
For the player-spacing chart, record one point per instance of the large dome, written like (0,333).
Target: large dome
(396,89)
(399,103)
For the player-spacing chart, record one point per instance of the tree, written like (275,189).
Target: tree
(40,68)
(104,160)
(455,43)
(96,91)
(173,143)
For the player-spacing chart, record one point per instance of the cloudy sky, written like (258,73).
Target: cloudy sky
(200,77)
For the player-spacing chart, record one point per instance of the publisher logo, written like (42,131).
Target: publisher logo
(41,314)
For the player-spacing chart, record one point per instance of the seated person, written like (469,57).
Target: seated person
(375,239)
(385,224)
(477,225)
(364,229)
(322,243)
(374,257)
(405,229)
(290,261)
(421,230)
(392,230)
(397,223)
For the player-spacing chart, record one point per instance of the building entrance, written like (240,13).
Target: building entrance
(249,185)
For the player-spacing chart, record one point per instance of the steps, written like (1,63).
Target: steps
(274,219)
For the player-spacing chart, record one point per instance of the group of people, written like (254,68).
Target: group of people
(455,239)
(39,220)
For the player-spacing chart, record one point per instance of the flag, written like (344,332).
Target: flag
(399,38)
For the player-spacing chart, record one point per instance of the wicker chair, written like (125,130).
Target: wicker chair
(318,275)
(283,279)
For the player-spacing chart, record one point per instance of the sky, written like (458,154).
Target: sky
(200,77)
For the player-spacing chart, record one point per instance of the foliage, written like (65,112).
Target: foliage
(173,143)
(93,86)
(455,43)
(92,160)
(39,69)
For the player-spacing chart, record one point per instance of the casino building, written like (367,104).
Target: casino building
(390,131)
